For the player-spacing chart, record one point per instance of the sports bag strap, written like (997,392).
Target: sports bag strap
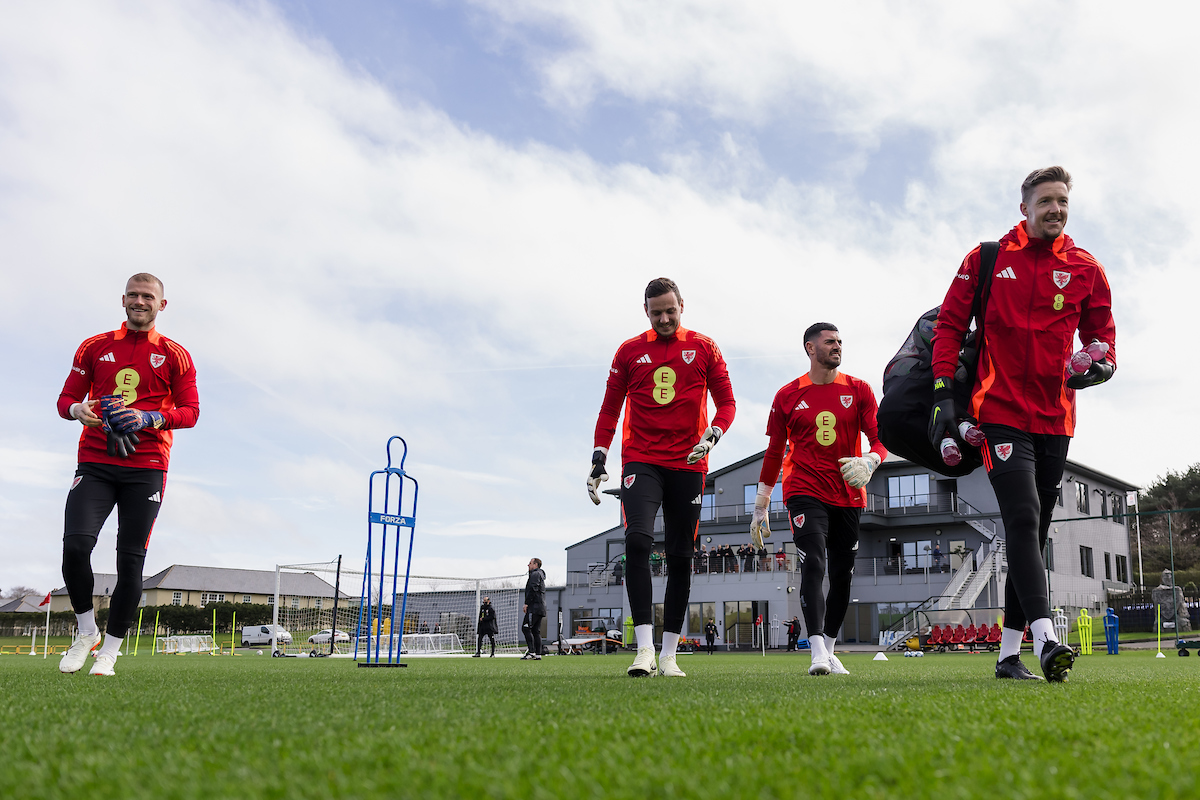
(983,287)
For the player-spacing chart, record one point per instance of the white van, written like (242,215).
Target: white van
(259,635)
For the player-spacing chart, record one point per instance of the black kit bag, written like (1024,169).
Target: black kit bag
(908,384)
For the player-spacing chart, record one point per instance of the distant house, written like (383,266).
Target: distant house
(23,605)
(183,585)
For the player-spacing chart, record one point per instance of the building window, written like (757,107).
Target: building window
(1107,567)
(1122,569)
(750,492)
(905,491)
(270,599)
(708,507)
(1049,555)
(247,598)
(211,597)
(1103,502)
(1118,507)
(698,616)
(1081,497)
(176,598)
(295,602)
(1085,562)
(317,603)
(1060,495)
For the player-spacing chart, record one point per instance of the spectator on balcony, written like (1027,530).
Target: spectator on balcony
(656,559)
(619,571)
(746,553)
(730,559)
(780,558)
(699,559)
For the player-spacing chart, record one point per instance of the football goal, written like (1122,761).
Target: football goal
(440,619)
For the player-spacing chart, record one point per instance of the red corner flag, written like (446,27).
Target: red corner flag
(46,601)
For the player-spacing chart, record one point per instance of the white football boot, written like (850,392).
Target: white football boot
(643,664)
(103,665)
(820,666)
(835,665)
(77,653)
(668,668)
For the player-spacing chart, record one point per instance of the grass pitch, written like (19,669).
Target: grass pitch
(738,726)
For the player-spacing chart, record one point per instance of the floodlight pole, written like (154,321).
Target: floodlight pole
(1137,510)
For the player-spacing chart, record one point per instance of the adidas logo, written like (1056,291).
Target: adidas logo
(155,498)
(802,405)
(644,360)
(109,357)
(697,501)
(1007,272)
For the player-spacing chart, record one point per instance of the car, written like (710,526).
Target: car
(323,637)
(257,635)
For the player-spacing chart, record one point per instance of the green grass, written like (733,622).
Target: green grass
(738,726)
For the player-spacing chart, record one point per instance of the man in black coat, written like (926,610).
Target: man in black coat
(535,609)
(710,634)
(487,627)
(793,632)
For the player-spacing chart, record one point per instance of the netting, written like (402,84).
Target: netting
(441,616)
(184,644)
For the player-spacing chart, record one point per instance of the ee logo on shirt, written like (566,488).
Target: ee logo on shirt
(127,383)
(664,385)
(826,422)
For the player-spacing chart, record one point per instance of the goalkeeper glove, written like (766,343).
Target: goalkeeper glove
(121,445)
(130,420)
(598,475)
(857,470)
(1098,372)
(760,526)
(942,417)
(707,442)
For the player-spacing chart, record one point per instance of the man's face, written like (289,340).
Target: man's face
(825,350)
(532,565)
(1046,211)
(664,312)
(142,302)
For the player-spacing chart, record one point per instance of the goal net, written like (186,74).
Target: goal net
(440,619)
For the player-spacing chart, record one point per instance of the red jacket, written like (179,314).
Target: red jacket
(664,384)
(152,373)
(1041,293)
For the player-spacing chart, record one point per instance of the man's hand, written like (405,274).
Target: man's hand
(1098,372)
(707,442)
(942,417)
(599,475)
(85,412)
(760,526)
(857,470)
(131,420)
(121,445)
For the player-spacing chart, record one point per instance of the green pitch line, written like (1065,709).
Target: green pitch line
(738,726)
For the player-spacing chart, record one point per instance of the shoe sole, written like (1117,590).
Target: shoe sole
(1060,666)
(818,671)
(641,673)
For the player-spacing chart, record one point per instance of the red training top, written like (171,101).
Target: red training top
(821,422)
(1041,293)
(665,384)
(152,373)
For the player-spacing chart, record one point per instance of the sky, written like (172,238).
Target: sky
(435,219)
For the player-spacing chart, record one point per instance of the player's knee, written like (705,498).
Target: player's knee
(130,564)
(77,549)
(637,548)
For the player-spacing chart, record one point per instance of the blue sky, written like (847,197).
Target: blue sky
(435,219)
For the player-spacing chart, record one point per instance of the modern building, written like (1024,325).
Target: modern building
(925,542)
(198,586)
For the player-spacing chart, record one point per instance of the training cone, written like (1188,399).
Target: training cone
(1160,654)
(879,657)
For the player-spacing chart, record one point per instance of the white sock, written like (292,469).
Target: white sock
(1043,631)
(87,623)
(1010,642)
(829,643)
(670,644)
(817,643)
(111,646)
(644,635)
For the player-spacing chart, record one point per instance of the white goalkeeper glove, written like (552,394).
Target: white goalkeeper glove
(707,442)
(760,526)
(857,470)
(598,475)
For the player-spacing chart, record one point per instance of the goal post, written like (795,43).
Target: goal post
(441,617)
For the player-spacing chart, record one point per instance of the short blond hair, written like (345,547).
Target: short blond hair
(146,277)
(1044,175)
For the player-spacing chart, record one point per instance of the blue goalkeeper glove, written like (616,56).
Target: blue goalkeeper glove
(131,420)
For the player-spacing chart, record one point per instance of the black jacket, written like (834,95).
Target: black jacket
(710,631)
(487,619)
(535,592)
